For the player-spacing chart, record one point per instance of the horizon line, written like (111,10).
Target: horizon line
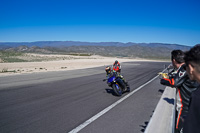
(96,42)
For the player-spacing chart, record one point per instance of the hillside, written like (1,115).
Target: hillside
(131,50)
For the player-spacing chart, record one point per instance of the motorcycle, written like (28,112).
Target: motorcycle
(117,84)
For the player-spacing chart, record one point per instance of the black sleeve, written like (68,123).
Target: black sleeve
(176,80)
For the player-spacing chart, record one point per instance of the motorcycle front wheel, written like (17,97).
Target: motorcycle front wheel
(117,89)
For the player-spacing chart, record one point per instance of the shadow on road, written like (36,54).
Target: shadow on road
(110,91)
(160,90)
(170,101)
(144,126)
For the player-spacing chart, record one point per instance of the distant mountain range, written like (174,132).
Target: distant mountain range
(77,43)
(133,50)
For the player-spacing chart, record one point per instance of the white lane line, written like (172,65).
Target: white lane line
(77,129)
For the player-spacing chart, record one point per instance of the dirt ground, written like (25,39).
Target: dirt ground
(69,63)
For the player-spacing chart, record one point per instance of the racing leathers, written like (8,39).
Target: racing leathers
(117,67)
(184,86)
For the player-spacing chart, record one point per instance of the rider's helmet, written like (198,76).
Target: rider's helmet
(116,61)
(108,70)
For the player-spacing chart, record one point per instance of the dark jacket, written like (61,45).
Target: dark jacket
(192,121)
(184,85)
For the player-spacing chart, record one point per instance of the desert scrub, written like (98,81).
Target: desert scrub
(10,53)
(79,54)
(11,56)
(11,59)
(5,70)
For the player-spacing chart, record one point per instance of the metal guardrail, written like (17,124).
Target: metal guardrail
(163,119)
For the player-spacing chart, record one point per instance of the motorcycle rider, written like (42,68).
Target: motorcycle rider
(116,66)
(109,73)
(180,80)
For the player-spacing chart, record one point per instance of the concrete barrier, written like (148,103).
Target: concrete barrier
(163,119)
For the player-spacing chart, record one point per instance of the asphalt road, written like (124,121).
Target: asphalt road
(58,102)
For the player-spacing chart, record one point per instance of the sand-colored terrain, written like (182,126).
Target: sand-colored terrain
(60,63)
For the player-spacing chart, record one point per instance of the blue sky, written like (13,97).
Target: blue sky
(148,21)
